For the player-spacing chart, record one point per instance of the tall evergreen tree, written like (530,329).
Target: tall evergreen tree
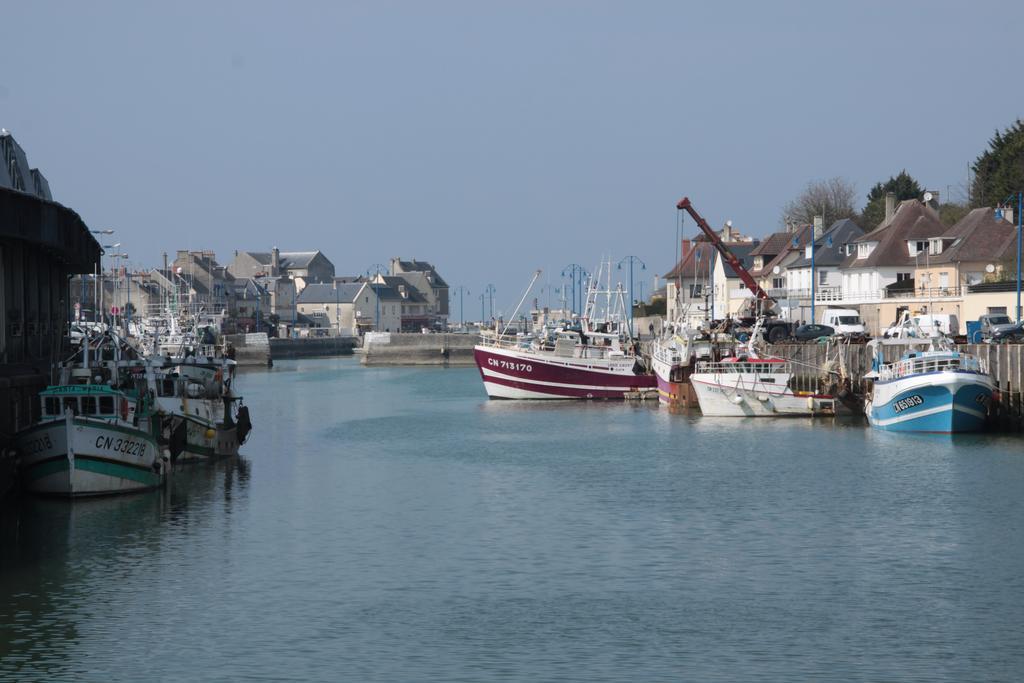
(903,185)
(999,171)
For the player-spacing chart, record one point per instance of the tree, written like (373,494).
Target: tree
(832,198)
(903,185)
(999,171)
(951,213)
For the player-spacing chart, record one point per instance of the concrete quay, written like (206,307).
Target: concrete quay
(312,347)
(444,348)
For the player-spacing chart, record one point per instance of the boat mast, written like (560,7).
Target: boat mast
(536,274)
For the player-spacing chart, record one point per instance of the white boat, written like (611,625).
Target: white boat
(748,385)
(935,390)
(201,419)
(674,356)
(98,433)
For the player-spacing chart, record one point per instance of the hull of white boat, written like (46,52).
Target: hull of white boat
(83,457)
(728,395)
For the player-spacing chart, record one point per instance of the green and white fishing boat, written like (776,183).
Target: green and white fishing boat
(98,432)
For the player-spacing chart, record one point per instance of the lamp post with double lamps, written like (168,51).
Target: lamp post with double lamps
(1020,229)
(116,282)
(819,222)
(103,294)
(461,290)
(490,290)
(574,272)
(376,270)
(643,266)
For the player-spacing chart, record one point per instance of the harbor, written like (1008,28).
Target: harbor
(475,342)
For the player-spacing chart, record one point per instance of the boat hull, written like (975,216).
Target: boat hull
(205,440)
(730,395)
(82,457)
(510,374)
(943,402)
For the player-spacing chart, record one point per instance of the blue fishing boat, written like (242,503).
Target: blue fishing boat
(938,389)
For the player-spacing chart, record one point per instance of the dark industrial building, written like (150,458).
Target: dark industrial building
(42,244)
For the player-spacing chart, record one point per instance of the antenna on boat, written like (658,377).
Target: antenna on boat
(536,274)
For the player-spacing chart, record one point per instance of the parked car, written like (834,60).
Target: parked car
(998,328)
(813,331)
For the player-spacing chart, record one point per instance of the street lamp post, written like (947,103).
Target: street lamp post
(102,282)
(643,266)
(461,289)
(376,269)
(574,272)
(490,290)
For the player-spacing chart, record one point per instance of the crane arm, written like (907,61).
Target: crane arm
(730,258)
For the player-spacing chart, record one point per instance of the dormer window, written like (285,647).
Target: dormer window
(758,262)
(864,249)
(915,247)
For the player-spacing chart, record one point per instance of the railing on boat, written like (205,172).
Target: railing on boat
(925,364)
(744,367)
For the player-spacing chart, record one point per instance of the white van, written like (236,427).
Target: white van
(944,323)
(843,320)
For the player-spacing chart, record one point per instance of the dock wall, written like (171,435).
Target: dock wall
(446,348)
(251,349)
(314,347)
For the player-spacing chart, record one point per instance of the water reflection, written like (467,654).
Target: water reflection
(60,559)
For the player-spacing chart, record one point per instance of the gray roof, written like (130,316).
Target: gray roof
(329,294)
(742,252)
(395,282)
(288,259)
(422,266)
(842,232)
(297,259)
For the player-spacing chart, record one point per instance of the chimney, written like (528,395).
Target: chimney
(890,205)
(275,262)
(819,227)
(684,250)
(933,199)
(727,232)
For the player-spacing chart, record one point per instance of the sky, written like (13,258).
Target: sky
(491,138)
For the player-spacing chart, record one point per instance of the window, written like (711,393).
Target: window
(106,405)
(822,277)
(944,280)
(696,291)
(921,245)
(778,283)
(900,277)
(52,406)
(997,310)
(88,405)
(71,404)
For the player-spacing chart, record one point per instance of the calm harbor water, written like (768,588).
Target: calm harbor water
(392,524)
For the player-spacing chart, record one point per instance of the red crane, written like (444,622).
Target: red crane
(730,258)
